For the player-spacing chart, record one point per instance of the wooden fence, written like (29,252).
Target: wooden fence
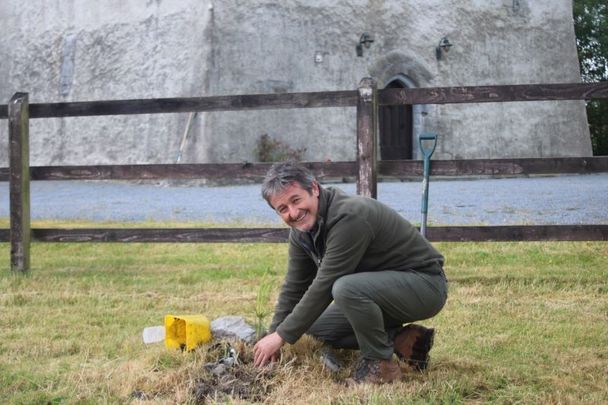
(366,99)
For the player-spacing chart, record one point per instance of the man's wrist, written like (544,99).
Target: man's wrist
(280,337)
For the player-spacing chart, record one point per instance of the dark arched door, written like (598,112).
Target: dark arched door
(395,126)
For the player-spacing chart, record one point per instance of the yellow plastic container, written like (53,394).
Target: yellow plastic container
(186,331)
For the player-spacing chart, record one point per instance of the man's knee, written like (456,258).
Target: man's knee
(345,288)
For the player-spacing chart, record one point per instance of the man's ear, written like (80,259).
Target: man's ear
(315,188)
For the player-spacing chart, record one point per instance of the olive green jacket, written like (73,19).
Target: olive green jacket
(353,234)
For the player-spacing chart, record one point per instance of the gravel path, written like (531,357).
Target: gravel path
(539,200)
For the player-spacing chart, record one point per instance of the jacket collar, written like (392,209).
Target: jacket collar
(325,197)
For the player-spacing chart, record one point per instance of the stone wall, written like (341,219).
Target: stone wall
(77,50)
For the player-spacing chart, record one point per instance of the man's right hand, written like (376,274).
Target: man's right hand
(266,349)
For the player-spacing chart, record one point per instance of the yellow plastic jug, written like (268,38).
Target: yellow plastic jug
(186,331)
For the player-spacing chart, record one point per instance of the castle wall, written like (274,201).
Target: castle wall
(76,50)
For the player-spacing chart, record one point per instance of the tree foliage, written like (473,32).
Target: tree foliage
(591,28)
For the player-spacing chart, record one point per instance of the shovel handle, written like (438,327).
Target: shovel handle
(427,152)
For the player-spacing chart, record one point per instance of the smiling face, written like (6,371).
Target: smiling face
(297,207)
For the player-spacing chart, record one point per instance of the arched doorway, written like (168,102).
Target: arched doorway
(396,128)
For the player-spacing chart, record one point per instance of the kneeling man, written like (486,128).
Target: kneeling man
(357,273)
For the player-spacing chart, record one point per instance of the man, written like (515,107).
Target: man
(374,265)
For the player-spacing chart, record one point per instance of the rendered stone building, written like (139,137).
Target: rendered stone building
(79,50)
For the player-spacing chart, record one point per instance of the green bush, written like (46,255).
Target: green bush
(273,150)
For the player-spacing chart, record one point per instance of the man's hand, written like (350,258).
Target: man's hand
(267,349)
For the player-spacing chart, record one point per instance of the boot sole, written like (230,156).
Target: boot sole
(421,363)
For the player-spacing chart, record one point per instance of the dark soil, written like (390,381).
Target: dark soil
(231,373)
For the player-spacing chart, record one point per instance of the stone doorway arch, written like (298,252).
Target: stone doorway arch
(396,126)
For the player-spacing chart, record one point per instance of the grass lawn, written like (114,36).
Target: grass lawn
(525,322)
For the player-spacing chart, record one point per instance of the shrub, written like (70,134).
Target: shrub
(273,150)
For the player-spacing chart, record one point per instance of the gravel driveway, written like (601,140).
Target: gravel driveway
(580,199)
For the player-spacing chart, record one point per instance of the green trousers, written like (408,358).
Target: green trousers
(369,308)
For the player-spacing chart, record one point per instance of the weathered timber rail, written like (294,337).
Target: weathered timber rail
(348,98)
(366,99)
(279,235)
(254,172)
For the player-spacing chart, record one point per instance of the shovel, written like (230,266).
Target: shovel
(427,149)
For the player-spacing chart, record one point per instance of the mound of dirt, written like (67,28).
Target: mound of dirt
(231,373)
(238,382)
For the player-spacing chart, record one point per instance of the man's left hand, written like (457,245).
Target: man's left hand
(266,349)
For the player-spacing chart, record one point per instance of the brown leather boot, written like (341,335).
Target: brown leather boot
(375,371)
(413,344)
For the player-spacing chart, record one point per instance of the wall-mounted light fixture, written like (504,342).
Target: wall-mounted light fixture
(365,41)
(443,47)
(516,6)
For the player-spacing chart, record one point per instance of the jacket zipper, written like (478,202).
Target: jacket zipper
(312,252)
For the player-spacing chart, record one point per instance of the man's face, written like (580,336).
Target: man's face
(297,207)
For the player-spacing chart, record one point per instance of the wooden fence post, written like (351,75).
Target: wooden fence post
(367,124)
(19,179)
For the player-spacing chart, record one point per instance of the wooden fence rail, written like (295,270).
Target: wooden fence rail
(254,172)
(349,98)
(274,235)
(366,99)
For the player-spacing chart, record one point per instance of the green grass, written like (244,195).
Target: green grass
(525,322)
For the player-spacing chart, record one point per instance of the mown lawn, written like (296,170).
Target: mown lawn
(525,322)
